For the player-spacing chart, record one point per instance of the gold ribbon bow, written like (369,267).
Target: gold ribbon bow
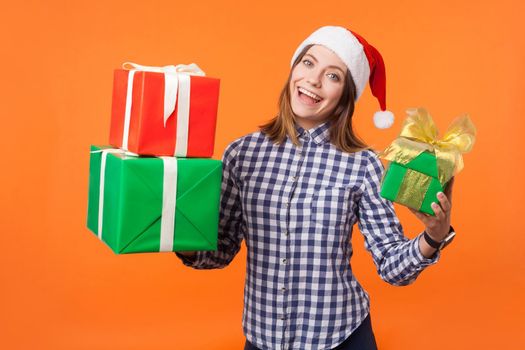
(419,134)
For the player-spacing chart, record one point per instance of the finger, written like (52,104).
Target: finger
(440,214)
(448,189)
(444,202)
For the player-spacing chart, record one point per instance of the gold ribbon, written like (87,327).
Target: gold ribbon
(420,134)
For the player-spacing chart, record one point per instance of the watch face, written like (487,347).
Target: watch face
(447,240)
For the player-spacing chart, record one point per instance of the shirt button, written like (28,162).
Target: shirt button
(285,261)
(283,289)
(286,233)
(283,317)
(294,178)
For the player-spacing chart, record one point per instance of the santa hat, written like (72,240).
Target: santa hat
(362,59)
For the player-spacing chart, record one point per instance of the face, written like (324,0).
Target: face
(316,85)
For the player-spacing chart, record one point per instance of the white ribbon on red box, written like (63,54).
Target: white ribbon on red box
(169,196)
(176,90)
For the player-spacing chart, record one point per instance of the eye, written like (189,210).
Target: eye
(333,76)
(307,62)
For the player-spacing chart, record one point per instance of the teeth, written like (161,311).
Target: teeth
(311,94)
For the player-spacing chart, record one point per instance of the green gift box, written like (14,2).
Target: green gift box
(414,184)
(421,164)
(150,204)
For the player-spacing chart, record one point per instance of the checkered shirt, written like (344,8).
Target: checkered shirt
(295,208)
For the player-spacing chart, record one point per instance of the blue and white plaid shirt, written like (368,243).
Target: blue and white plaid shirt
(295,207)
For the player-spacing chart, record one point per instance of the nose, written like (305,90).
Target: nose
(314,78)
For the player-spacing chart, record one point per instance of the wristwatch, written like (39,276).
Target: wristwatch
(440,245)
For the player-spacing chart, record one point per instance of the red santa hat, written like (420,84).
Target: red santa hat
(362,59)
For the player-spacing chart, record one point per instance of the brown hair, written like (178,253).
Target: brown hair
(342,135)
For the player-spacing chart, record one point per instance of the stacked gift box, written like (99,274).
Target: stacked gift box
(156,187)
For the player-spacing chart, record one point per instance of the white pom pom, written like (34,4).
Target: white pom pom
(383,119)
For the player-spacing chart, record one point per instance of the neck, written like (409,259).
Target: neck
(308,124)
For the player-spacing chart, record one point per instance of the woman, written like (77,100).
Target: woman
(294,190)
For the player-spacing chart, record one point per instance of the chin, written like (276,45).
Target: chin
(304,114)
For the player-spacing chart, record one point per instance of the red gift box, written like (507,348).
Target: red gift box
(149,133)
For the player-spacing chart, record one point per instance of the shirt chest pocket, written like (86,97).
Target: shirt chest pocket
(329,206)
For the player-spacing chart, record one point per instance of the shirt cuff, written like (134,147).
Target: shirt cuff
(418,259)
(192,261)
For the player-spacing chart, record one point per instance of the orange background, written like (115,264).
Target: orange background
(63,289)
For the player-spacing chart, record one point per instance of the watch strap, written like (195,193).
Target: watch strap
(440,245)
(430,241)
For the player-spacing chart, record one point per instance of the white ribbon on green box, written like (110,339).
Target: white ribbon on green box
(176,90)
(169,197)
(169,204)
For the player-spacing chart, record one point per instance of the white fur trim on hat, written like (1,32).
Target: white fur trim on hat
(345,45)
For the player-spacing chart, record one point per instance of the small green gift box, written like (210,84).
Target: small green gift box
(414,184)
(420,164)
(149,204)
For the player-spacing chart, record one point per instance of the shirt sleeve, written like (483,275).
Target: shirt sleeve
(231,224)
(398,259)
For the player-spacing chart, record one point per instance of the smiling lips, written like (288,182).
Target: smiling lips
(308,97)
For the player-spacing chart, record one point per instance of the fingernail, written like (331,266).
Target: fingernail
(440,194)
(434,205)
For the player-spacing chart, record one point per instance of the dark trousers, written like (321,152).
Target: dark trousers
(361,339)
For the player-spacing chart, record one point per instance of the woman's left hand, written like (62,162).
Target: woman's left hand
(438,226)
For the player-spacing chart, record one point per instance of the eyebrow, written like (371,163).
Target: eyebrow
(331,66)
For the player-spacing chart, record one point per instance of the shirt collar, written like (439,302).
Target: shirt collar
(319,134)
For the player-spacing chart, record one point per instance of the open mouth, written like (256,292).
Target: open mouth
(308,97)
